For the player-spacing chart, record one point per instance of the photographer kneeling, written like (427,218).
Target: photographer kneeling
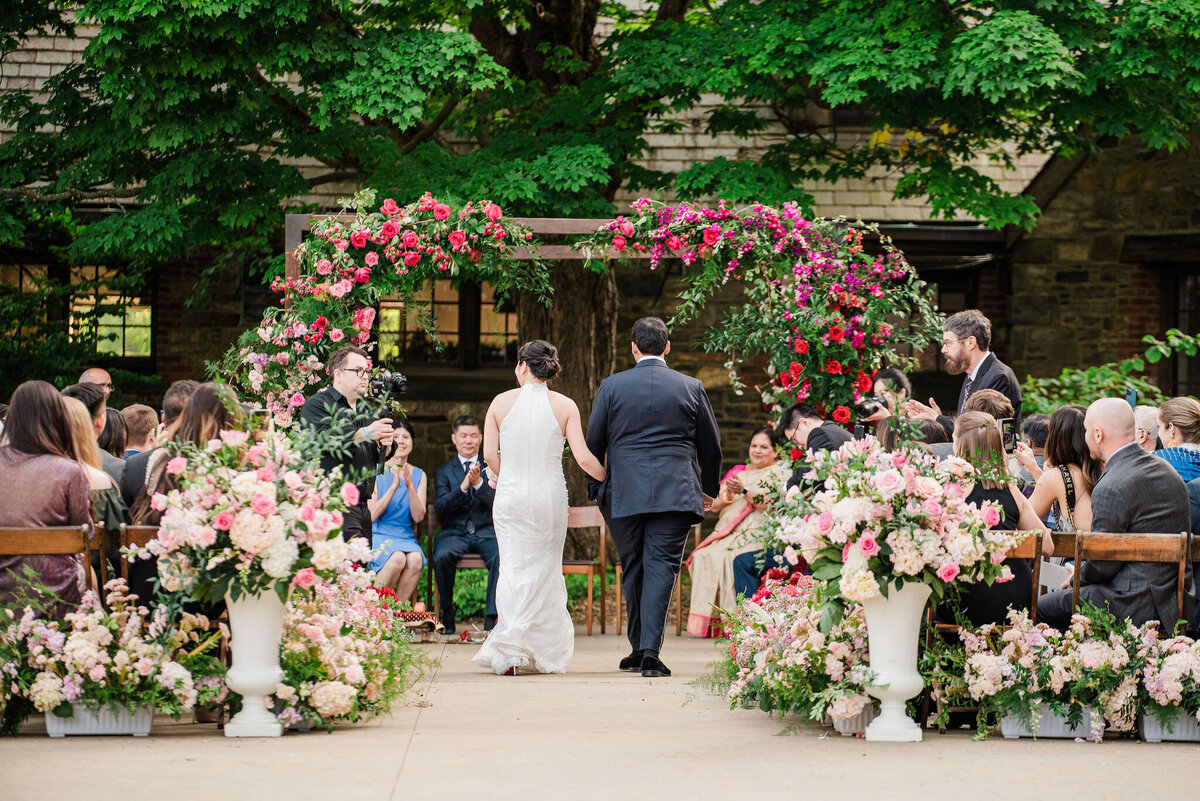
(369,438)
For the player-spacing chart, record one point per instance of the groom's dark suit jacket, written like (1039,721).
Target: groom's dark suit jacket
(658,431)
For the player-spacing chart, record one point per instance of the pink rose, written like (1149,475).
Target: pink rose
(389,230)
(410,239)
(441,212)
(158,502)
(359,239)
(868,546)
(305,578)
(176,465)
(619,242)
(627,228)
(948,572)
(371,260)
(336,335)
(341,288)
(349,494)
(493,212)
(457,238)
(235,439)
(825,521)
(297,399)
(223,520)
(712,236)
(256,455)
(262,505)
(324,267)
(389,207)
(411,259)
(1006,574)
(674,242)
(991,515)
(307,513)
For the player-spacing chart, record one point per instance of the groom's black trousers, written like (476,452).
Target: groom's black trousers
(651,549)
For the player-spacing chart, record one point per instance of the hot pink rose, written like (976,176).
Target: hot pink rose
(176,465)
(324,267)
(349,494)
(493,212)
(712,236)
(298,399)
(948,572)
(359,239)
(262,505)
(441,212)
(868,546)
(305,578)
(674,242)
(410,239)
(457,238)
(389,207)
(619,242)
(411,259)
(627,227)
(223,520)
(389,230)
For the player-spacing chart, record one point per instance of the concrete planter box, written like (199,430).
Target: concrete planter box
(1049,726)
(89,719)
(1184,728)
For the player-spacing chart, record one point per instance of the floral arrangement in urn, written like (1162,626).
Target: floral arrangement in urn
(1029,667)
(827,302)
(781,661)
(125,657)
(344,655)
(349,263)
(250,514)
(882,519)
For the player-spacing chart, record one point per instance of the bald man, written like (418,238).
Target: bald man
(98,376)
(1136,493)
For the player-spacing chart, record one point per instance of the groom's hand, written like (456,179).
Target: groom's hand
(708,503)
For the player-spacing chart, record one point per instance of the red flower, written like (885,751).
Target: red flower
(441,212)
(865,383)
(712,236)
(841,414)
(389,207)
(674,242)
(796,454)
(846,368)
(795,368)
(358,239)
(801,346)
(389,230)
(837,333)
(785,380)
(410,239)
(411,259)
(457,238)
(619,242)
(833,366)
(493,212)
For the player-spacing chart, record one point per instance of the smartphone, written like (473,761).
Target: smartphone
(1131,398)
(859,431)
(1008,432)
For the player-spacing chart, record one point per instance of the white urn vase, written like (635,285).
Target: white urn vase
(256,627)
(893,628)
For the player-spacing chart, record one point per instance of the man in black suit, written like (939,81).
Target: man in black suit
(966,337)
(464,503)
(174,401)
(1136,493)
(653,424)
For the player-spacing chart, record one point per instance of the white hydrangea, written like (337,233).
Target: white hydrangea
(277,560)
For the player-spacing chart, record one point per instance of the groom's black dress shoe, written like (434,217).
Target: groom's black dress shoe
(633,662)
(652,668)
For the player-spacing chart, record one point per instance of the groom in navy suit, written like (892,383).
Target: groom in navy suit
(654,424)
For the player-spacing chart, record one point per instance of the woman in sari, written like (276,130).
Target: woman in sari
(743,495)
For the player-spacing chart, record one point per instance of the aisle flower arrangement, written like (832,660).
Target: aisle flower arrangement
(827,302)
(1096,664)
(1171,681)
(353,260)
(124,658)
(881,519)
(345,657)
(250,514)
(781,661)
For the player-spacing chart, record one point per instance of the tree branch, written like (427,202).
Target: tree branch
(333,177)
(428,129)
(32,193)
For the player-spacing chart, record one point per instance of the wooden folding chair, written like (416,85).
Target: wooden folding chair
(49,541)
(589,517)
(468,561)
(134,535)
(1133,547)
(678,592)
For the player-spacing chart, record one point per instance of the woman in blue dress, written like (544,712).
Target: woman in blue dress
(397,505)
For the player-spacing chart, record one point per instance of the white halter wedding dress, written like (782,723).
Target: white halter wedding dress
(533,628)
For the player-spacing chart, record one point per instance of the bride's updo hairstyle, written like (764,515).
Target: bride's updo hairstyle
(542,358)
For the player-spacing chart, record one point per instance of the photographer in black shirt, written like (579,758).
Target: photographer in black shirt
(369,436)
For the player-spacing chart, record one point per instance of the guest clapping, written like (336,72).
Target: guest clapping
(45,487)
(397,505)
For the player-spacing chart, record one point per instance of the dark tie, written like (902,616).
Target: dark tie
(470,495)
(967,388)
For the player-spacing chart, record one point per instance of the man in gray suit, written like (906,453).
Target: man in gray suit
(1137,492)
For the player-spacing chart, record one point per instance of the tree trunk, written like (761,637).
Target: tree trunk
(581,322)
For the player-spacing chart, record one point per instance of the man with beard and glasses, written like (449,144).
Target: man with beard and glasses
(965,340)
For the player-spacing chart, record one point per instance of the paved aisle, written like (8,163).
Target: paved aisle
(592,734)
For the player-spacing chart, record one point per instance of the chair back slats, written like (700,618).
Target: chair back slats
(1132,547)
(49,541)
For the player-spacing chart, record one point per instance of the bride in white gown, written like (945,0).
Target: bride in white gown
(525,428)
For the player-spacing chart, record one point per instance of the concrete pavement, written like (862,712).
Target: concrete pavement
(594,733)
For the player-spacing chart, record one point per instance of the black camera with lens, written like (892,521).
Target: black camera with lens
(869,406)
(387,386)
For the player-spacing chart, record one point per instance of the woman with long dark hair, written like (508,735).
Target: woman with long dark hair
(45,487)
(1064,489)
